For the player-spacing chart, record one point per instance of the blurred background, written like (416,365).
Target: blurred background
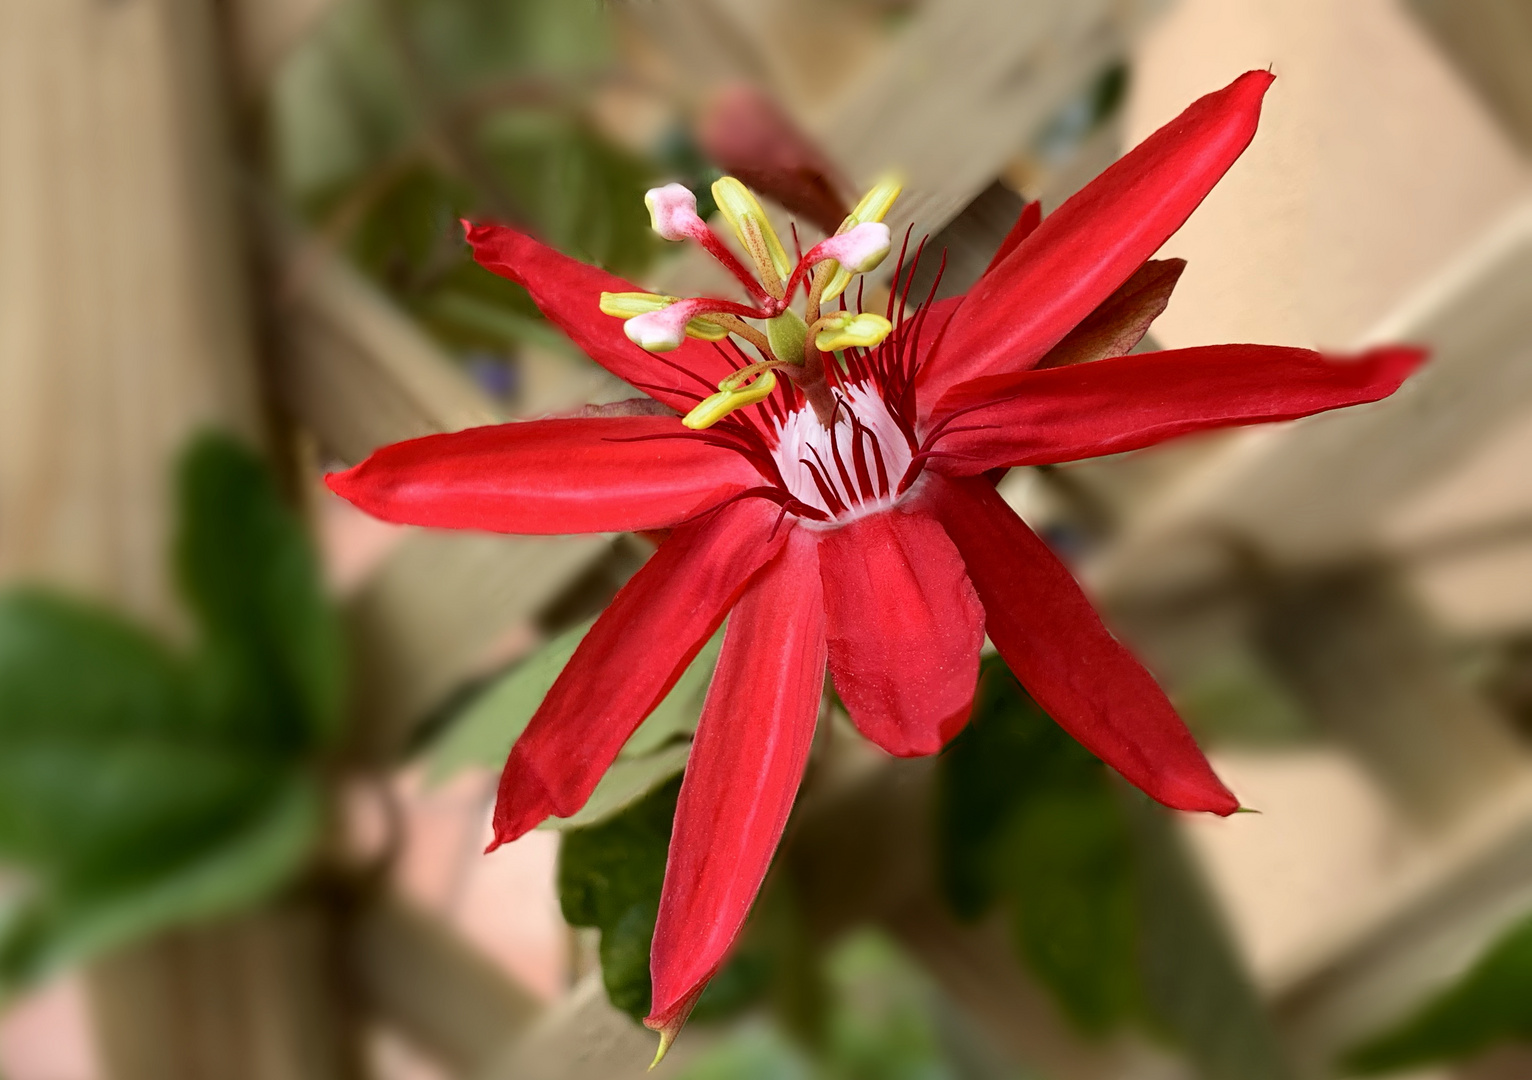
(249,738)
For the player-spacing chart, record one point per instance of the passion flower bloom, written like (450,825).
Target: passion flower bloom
(831,490)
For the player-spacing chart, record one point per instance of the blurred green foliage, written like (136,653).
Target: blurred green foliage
(143,786)
(397,118)
(883,1019)
(482,734)
(1490,1004)
(1104,904)
(609,877)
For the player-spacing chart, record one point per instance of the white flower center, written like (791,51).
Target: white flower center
(850,471)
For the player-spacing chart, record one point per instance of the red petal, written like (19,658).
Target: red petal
(1092,243)
(569,293)
(630,659)
(547,477)
(746,763)
(1055,644)
(1027,221)
(1063,414)
(905,628)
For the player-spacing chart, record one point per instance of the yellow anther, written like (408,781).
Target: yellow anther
(874,206)
(625,305)
(845,330)
(715,408)
(749,222)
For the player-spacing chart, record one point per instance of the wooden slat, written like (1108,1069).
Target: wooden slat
(1379,962)
(417,976)
(1491,42)
(355,370)
(431,617)
(961,88)
(582,1038)
(124,325)
(1320,489)
(1368,665)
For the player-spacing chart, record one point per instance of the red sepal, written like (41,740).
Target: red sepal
(1055,643)
(1129,402)
(1089,246)
(630,659)
(541,477)
(746,763)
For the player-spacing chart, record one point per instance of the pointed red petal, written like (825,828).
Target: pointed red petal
(746,763)
(569,293)
(547,477)
(1092,243)
(630,659)
(905,628)
(1064,414)
(1055,644)
(1027,221)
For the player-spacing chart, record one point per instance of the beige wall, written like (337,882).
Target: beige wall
(1373,165)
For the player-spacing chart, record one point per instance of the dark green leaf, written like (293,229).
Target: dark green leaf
(251,858)
(1069,870)
(610,877)
(272,662)
(1027,814)
(1194,982)
(105,766)
(1491,1003)
(1107,910)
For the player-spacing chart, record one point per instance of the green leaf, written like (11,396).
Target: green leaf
(138,788)
(273,661)
(1106,908)
(627,781)
(255,857)
(104,762)
(483,733)
(1069,871)
(1193,978)
(1027,814)
(1490,1004)
(609,877)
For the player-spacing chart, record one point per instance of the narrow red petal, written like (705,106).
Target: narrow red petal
(547,477)
(569,293)
(630,659)
(1106,407)
(905,628)
(1091,244)
(1027,221)
(746,763)
(1055,644)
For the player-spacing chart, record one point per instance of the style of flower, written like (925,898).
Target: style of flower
(832,492)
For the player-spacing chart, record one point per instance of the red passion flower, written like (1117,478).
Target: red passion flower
(833,489)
